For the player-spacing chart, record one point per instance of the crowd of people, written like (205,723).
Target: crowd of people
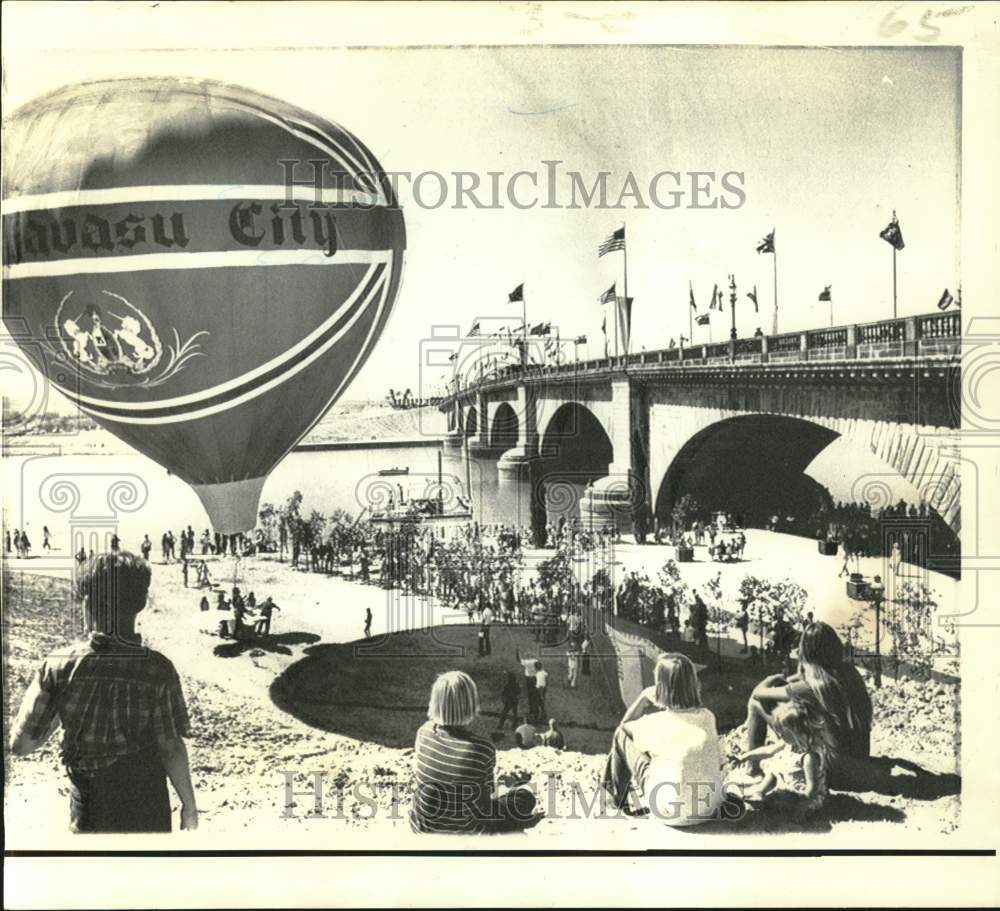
(247,618)
(819,712)
(183,546)
(820,715)
(665,758)
(20,543)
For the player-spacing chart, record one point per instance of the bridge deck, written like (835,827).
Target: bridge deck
(931,341)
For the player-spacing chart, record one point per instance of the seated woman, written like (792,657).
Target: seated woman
(454,789)
(835,685)
(667,748)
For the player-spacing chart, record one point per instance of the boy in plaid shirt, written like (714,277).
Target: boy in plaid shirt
(121,709)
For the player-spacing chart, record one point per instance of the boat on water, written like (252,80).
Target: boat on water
(423,511)
(435,504)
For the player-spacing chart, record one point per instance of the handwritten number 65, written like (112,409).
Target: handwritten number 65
(892,26)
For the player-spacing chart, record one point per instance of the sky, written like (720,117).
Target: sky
(829,142)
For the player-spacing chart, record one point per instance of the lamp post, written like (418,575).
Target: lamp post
(732,305)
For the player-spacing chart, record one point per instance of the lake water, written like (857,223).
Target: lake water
(68,491)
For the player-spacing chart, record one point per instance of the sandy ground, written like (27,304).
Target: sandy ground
(245,750)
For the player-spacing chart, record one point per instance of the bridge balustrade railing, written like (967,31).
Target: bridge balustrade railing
(748,349)
(930,334)
(785,347)
(717,351)
(826,344)
(887,338)
(939,333)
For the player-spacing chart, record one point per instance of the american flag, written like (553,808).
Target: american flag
(608,296)
(615,241)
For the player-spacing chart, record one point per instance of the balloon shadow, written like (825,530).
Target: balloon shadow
(277,644)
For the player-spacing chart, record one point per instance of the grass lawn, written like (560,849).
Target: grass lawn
(378,690)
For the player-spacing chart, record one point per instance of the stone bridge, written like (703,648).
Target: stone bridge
(735,423)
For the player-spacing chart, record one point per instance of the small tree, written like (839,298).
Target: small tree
(268,520)
(719,619)
(910,623)
(754,595)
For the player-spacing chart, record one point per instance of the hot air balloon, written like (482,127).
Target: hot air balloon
(208,267)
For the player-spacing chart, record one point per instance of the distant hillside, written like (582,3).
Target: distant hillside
(352,421)
(358,421)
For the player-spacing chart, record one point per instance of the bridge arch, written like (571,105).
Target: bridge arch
(750,465)
(471,423)
(574,452)
(505,428)
(753,466)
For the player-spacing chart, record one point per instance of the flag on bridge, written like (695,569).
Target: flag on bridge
(714,303)
(694,306)
(474,329)
(516,295)
(580,340)
(947,300)
(623,313)
(614,241)
(767,244)
(892,234)
(540,329)
(825,294)
(608,297)
(753,296)
(702,319)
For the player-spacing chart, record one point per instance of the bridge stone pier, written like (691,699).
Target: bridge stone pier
(616,440)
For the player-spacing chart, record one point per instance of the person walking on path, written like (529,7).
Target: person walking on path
(262,627)
(511,695)
(368,623)
(572,667)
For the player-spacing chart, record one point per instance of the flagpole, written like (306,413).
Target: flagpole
(624,280)
(690,313)
(774,253)
(524,329)
(894,251)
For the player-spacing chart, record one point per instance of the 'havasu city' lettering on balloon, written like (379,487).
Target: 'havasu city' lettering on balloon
(246,230)
(40,235)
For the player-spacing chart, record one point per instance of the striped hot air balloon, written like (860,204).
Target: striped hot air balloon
(169,265)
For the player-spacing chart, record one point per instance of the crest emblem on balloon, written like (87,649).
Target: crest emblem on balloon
(113,349)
